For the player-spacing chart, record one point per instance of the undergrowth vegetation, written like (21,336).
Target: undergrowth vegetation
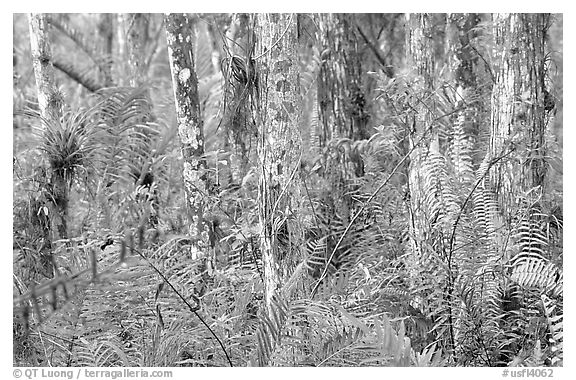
(483,286)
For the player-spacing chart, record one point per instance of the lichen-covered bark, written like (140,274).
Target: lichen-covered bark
(179,36)
(49,99)
(50,103)
(279,145)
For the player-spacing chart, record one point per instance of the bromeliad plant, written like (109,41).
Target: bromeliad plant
(68,145)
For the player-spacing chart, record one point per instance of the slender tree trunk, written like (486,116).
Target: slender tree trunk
(536,100)
(106,31)
(136,29)
(506,87)
(279,147)
(49,99)
(420,57)
(51,103)
(120,67)
(179,35)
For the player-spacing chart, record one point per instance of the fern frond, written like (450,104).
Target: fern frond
(316,255)
(555,319)
(531,270)
(86,44)
(269,330)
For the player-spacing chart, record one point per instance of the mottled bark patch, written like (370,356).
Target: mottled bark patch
(281,67)
(283,86)
(190,127)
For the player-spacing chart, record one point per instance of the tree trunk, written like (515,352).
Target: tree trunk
(51,103)
(136,32)
(121,71)
(106,31)
(279,146)
(49,99)
(179,35)
(420,57)
(520,114)
(341,99)
(520,105)
(136,29)
(342,110)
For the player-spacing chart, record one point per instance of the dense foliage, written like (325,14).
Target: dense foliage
(460,276)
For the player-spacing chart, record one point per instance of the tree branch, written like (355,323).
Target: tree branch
(388,70)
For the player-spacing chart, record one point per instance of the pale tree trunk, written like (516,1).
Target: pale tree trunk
(520,115)
(279,147)
(120,69)
(179,35)
(519,107)
(50,103)
(506,87)
(420,57)
(136,29)
(49,99)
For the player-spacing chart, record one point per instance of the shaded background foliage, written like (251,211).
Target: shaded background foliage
(455,277)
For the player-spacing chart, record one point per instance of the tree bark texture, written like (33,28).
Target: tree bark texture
(50,103)
(279,145)
(519,106)
(420,57)
(340,95)
(136,29)
(49,99)
(179,34)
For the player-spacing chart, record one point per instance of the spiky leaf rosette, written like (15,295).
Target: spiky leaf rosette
(68,143)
